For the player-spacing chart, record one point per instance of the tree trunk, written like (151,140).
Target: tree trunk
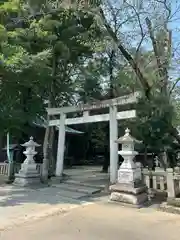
(111,76)
(26,97)
(52,162)
(45,164)
(49,134)
(47,152)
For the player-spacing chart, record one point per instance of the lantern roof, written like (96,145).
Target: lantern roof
(30,143)
(127,138)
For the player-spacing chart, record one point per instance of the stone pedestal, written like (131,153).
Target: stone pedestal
(126,193)
(129,188)
(28,174)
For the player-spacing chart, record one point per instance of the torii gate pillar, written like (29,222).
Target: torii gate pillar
(61,144)
(113,128)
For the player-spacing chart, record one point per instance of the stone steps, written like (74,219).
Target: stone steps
(70,189)
(77,188)
(80,183)
(57,191)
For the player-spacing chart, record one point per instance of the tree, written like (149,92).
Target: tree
(147,24)
(70,52)
(62,38)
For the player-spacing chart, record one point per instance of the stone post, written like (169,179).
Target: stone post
(170,183)
(28,174)
(130,187)
(173,187)
(139,169)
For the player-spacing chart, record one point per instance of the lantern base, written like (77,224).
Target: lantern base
(128,194)
(27,176)
(24,181)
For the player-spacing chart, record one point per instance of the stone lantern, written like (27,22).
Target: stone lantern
(28,174)
(129,187)
(128,167)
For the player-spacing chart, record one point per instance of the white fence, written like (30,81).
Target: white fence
(4,168)
(156,180)
(161,181)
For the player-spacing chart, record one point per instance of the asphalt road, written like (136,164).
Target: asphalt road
(101,221)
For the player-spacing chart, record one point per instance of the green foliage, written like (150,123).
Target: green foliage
(29,46)
(99,137)
(48,52)
(3,34)
(154,120)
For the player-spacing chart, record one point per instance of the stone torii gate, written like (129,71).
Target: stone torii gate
(87,117)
